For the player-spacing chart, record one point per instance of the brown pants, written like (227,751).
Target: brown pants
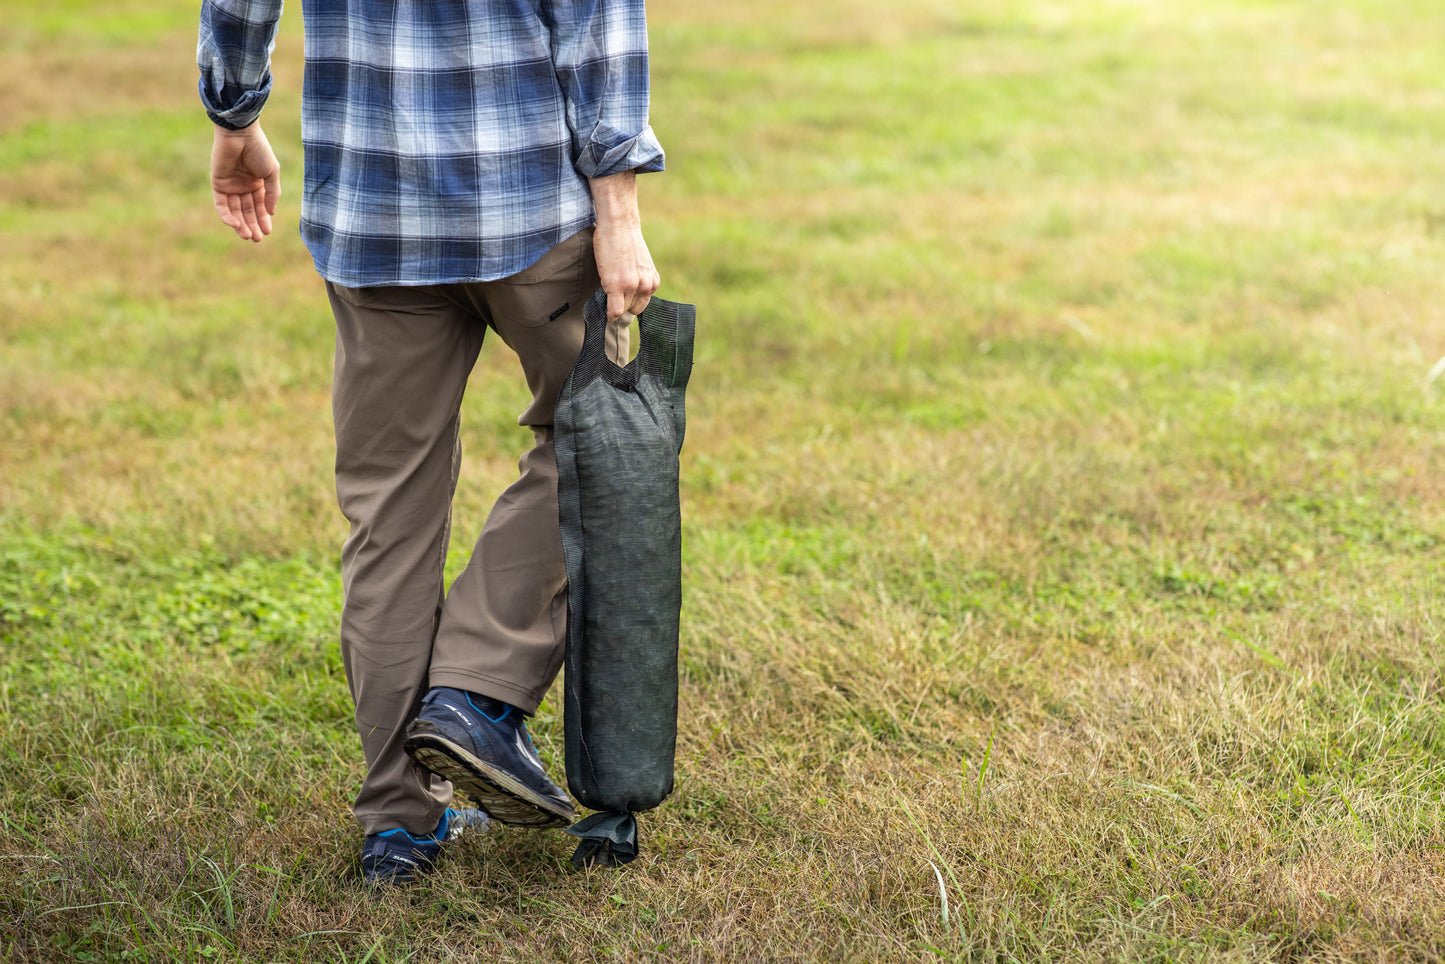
(403,356)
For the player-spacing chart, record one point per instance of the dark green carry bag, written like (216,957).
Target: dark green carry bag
(618,431)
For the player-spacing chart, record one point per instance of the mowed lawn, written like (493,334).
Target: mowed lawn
(1062,492)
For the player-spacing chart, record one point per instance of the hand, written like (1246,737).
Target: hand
(245,181)
(625,265)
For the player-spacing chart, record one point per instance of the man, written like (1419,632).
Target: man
(468,166)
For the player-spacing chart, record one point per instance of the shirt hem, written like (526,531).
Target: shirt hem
(392,279)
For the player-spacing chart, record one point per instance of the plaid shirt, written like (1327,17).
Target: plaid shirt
(446,140)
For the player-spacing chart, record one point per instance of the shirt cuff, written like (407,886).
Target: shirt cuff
(612,152)
(242,112)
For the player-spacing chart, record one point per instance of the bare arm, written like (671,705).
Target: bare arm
(245,181)
(623,261)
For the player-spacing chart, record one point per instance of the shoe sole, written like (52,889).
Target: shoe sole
(504,798)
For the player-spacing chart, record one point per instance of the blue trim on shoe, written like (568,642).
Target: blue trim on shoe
(495,719)
(397,856)
(440,833)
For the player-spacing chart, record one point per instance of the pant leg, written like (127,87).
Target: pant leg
(504,623)
(402,360)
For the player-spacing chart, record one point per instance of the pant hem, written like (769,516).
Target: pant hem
(373,823)
(524,699)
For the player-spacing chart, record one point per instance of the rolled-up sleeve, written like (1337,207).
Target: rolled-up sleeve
(234,55)
(599,50)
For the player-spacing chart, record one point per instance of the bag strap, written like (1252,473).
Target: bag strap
(666,329)
(592,361)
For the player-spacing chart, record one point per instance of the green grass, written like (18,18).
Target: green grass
(1062,502)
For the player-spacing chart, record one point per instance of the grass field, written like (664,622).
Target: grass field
(1063,503)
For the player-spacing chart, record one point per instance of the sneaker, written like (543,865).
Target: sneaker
(481,745)
(396,856)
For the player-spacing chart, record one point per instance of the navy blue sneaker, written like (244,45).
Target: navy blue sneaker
(396,856)
(481,745)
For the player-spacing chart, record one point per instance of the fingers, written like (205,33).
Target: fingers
(223,211)
(246,214)
(639,302)
(629,295)
(247,204)
(273,194)
(644,293)
(647,283)
(616,302)
(625,300)
(228,206)
(259,219)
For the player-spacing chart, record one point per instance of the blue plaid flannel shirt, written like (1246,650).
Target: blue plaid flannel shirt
(445,140)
